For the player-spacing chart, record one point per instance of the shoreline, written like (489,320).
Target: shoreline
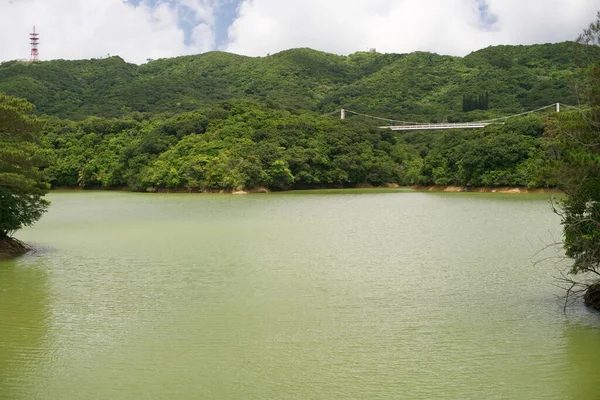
(262,189)
(487,189)
(11,248)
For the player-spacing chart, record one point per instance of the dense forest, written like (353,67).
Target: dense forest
(222,121)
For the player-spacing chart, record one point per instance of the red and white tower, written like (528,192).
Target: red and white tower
(34,39)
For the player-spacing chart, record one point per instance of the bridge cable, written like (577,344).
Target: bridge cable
(385,119)
(475,122)
(568,106)
(518,115)
(331,113)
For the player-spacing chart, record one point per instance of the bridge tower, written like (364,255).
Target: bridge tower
(34,40)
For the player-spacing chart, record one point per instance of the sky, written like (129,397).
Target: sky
(139,30)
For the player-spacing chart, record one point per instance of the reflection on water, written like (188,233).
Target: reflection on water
(583,349)
(24,315)
(335,295)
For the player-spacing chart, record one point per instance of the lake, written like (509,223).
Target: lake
(353,294)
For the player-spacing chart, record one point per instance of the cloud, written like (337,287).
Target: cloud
(94,28)
(444,26)
(141,29)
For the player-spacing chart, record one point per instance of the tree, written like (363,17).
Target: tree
(22,185)
(579,174)
(476,102)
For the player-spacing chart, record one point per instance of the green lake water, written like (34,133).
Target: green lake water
(314,295)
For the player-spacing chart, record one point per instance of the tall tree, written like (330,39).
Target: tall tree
(22,186)
(579,146)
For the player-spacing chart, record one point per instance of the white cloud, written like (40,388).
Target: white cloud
(443,26)
(75,29)
(94,28)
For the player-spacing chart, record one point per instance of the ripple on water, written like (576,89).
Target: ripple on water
(350,296)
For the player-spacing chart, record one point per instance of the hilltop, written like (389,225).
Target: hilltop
(419,86)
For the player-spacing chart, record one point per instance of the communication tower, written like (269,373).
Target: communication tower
(34,40)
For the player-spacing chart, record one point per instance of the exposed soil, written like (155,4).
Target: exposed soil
(509,190)
(12,248)
(259,189)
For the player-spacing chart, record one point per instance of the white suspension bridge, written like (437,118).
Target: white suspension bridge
(420,126)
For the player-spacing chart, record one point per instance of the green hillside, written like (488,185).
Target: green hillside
(222,121)
(420,86)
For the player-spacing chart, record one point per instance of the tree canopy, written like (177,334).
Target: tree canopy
(22,186)
(237,145)
(221,121)
(578,148)
(418,86)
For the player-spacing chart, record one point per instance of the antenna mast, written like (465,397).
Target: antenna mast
(34,40)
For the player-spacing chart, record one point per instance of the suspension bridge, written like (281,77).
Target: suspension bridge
(421,126)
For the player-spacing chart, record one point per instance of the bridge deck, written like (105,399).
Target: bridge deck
(420,127)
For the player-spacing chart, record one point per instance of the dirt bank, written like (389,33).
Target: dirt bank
(509,190)
(259,189)
(79,188)
(262,189)
(12,248)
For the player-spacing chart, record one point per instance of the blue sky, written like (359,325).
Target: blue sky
(225,13)
(486,17)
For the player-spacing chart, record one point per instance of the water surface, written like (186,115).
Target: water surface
(313,295)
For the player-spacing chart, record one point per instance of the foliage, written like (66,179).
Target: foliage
(580,144)
(221,121)
(236,145)
(418,86)
(21,183)
(478,102)
(578,162)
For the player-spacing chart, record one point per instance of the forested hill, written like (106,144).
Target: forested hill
(220,121)
(417,86)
